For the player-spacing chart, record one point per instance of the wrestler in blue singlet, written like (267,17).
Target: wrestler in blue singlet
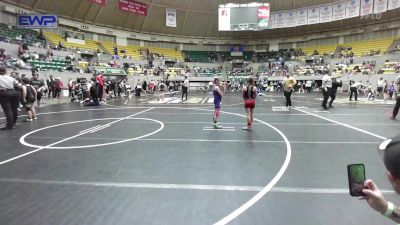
(217,98)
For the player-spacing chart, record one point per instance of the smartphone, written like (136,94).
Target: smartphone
(356,175)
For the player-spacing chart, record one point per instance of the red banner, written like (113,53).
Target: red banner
(263,12)
(133,7)
(101,2)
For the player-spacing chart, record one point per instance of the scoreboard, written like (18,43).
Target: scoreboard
(241,17)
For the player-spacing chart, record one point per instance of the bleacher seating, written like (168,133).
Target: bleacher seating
(321,49)
(248,56)
(137,70)
(56,39)
(131,50)
(168,53)
(55,64)
(364,47)
(199,56)
(28,36)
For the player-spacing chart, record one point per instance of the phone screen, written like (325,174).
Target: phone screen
(356,175)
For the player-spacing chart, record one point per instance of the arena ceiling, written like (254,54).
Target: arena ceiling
(198,18)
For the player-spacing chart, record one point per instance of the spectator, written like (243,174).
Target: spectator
(58,87)
(50,86)
(390,151)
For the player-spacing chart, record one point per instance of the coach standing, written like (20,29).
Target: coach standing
(185,88)
(288,84)
(326,89)
(9,98)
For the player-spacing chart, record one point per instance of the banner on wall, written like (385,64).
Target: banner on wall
(393,4)
(291,17)
(380,6)
(367,7)
(100,2)
(263,17)
(339,10)
(301,17)
(280,19)
(133,7)
(313,14)
(325,13)
(271,21)
(170,17)
(224,19)
(352,8)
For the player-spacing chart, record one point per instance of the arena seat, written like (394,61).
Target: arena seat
(321,49)
(14,33)
(364,47)
(55,64)
(198,56)
(131,50)
(168,53)
(56,38)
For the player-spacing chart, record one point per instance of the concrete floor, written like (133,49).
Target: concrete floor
(145,162)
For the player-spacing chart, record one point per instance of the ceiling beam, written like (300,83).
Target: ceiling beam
(87,13)
(148,13)
(186,16)
(118,19)
(98,14)
(66,2)
(77,9)
(36,4)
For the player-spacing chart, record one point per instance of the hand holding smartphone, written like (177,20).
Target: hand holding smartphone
(356,176)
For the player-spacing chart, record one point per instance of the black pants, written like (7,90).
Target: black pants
(184,92)
(396,107)
(326,97)
(95,102)
(50,92)
(353,90)
(288,94)
(9,101)
(333,97)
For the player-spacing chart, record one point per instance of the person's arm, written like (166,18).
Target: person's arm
(377,201)
(23,93)
(34,91)
(218,91)
(243,92)
(17,84)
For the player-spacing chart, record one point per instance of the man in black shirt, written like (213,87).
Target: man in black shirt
(50,86)
(39,86)
(332,94)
